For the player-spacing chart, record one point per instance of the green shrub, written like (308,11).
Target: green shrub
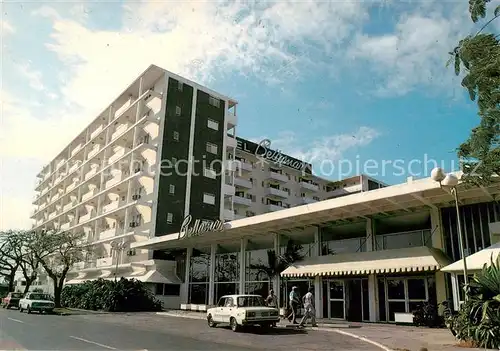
(478,320)
(121,296)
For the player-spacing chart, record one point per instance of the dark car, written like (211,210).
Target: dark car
(12,300)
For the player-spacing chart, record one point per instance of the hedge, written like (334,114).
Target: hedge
(105,295)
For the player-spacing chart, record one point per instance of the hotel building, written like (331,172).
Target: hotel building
(163,149)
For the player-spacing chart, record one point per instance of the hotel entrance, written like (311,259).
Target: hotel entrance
(346,299)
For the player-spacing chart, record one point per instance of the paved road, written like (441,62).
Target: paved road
(144,331)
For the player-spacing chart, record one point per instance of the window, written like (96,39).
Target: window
(212,124)
(180,86)
(214,101)
(176,136)
(209,198)
(168,289)
(170,218)
(209,173)
(178,110)
(171,189)
(212,148)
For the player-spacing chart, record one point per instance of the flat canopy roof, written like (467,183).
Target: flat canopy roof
(475,262)
(412,259)
(406,197)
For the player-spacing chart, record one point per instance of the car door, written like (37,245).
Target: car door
(228,309)
(219,311)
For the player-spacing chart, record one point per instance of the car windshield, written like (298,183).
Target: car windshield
(250,301)
(16,295)
(39,297)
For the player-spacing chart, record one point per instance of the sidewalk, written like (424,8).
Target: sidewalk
(393,337)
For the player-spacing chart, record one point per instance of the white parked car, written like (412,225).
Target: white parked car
(34,301)
(242,310)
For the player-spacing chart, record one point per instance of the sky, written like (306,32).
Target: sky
(350,86)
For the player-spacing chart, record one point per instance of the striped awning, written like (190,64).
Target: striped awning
(413,259)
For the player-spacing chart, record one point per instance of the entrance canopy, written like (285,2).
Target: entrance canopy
(401,198)
(476,261)
(413,259)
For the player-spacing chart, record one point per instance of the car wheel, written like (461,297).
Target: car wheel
(28,310)
(234,325)
(211,322)
(20,309)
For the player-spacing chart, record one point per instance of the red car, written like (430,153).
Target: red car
(12,300)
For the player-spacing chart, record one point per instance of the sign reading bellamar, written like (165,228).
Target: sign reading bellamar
(199,227)
(263,151)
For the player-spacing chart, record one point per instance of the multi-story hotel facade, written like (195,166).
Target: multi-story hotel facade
(166,193)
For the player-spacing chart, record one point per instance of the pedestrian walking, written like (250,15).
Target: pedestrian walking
(272,301)
(294,302)
(310,311)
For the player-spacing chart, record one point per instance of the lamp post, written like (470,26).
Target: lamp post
(450,181)
(117,247)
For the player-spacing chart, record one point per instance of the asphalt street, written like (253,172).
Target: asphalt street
(147,331)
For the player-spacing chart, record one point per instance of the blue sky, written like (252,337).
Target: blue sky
(334,81)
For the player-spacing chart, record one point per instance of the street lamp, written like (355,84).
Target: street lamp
(118,247)
(450,181)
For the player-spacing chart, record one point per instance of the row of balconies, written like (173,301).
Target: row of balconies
(104,123)
(142,139)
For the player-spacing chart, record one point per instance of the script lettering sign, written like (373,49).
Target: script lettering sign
(199,227)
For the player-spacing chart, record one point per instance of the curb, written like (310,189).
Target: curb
(180,316)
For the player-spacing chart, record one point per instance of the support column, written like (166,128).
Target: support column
(438,243)
(371,245)
(211,281)
(185,287)
(455,292)
(276,279)
(318,292)
(243,247)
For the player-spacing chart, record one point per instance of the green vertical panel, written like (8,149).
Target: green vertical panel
(202,134)
(175,174)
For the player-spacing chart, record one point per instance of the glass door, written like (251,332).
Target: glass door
(336,299)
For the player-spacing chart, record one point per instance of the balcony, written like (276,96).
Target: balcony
(104,262)
(79,265)
(117,177)
(52,215)
(345,191)
(96,131)
(277,193)
(86,217)
(76,149)
(278,177)
(232,119)
(229,190)
(66,225)
(230,141)
(68,206)
(119,131)
(93,171)
(228,215)
(108,233)
(60,163)
(89,194)
(243,183)
(243,166)
(110,206)
(71,186)
(309,186)
(94,151)
(308,200)
(274,208)
(243,201)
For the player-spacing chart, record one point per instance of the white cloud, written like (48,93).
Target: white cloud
(199,40)
(7,28)
(414,55)
(34,77)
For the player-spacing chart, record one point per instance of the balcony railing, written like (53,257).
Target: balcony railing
(244,183)
(278,177)
(274,208)
(104,262)
(277,193)
(240,200)
(309,186)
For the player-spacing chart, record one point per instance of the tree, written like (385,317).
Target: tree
(27,261)
(278,263)
(57,252)
(9,261)
(478,57)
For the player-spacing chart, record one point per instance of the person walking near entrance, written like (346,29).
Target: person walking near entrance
(272,301)
(294,305)
(310,311)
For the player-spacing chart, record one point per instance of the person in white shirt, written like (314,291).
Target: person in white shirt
(310,311)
